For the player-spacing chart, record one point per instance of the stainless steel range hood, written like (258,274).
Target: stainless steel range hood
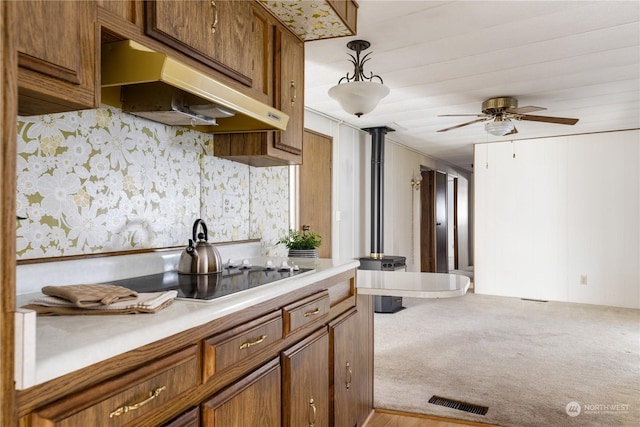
(160,88)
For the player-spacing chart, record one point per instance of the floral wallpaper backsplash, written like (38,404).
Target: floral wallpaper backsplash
(100,180)
(311,20)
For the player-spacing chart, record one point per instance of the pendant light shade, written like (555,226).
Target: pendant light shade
(358,94)
(359,97)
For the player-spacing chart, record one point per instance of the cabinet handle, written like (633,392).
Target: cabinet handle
(349,376)
(252,343)
(312,413)
(214,26)
(124,409)
(312,313)
(294,92)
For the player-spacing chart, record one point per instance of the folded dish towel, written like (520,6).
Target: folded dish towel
(143,303)
(90,295)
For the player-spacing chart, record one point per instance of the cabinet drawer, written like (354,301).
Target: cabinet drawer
(305,311)
(227,349)
(124,399)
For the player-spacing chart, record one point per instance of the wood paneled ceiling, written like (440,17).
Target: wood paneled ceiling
(576,58)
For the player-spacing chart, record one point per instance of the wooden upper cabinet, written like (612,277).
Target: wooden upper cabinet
(284,76)
(347,10)
(129,10)
(289,88)
(57,55)
(218,33)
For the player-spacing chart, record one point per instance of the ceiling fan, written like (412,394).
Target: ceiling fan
(499,113)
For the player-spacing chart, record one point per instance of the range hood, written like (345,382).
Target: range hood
(156,86)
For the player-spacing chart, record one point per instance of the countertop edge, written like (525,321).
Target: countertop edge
(430,285)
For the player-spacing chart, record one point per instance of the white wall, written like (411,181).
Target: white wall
(401,201)
(562,208)
(351,192)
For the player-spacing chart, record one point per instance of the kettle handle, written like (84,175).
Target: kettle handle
(204,230)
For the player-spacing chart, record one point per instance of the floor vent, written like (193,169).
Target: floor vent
(534,300)
(461,406)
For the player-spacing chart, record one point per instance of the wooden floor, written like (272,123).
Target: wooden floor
(386,418)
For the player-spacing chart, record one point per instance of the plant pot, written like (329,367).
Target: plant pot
(303,253)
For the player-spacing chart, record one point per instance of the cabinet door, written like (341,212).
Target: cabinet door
(252,401)
(57,55)
(219,33)
(129,10)
(289,88)
(305,387)
(350,368)
(190,418)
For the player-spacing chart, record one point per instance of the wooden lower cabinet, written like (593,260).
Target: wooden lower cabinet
(305,384)
(351,366)
(252,401)
(302,360)
(190,418)
(128,399)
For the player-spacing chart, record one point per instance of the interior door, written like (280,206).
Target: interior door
(433,222)
(314,190)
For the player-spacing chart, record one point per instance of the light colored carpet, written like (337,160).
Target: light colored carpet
(527,361)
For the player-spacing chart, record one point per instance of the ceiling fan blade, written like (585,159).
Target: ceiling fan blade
(463,124)
(524,110)
(513,132)
(547,119)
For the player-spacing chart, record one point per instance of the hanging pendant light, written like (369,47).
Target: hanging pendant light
(358,94)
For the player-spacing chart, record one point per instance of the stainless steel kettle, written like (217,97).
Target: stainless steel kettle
(201,258)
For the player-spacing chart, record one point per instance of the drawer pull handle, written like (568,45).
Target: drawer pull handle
(312,413)
(349,376)
(252,343)
(312,313)
(124,409)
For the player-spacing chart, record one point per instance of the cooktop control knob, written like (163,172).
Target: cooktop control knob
(269,265)
(245,263)
(285,266)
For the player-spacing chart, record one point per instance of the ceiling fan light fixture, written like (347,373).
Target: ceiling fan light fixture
(358,94)
(499,127)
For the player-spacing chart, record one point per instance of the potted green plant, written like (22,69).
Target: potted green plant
(302,244)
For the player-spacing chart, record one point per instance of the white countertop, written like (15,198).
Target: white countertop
(411,284)
(64,344)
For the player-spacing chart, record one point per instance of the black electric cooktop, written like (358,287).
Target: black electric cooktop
(209,286)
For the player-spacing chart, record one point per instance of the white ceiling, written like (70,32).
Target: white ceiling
(576,58)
